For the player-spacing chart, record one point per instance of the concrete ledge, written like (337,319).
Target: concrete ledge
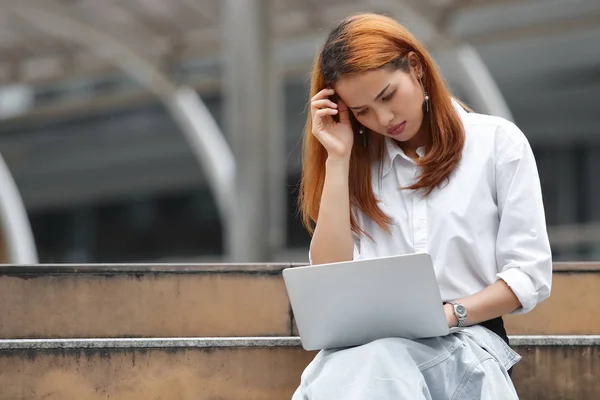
(242,342)
(143,301)
(233,268)
(250,368)
(111,270)
(556,340)
(152,300)
(572,308)
(576,267)
(142,343)
(159,373)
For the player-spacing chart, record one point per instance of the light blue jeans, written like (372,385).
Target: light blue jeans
(470,364)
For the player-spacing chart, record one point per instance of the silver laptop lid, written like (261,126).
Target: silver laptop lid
(353,303)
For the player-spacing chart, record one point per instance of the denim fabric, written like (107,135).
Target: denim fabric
(467,365)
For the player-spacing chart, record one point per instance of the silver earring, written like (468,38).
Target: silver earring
(361,132)
(426,96)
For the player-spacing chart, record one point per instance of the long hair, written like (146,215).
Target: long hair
(359,44)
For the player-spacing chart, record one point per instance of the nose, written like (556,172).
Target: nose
(385,116)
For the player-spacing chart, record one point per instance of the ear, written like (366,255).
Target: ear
(415,65)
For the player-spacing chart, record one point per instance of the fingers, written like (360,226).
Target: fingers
(325,111)
(318,104)
(322,106)
(322,94)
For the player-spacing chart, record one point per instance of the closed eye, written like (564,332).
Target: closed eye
(389,96)
(384,99)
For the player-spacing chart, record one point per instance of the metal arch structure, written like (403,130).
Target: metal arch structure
(187,109)
(460,60)
(475,78)
(19,241)
(202,133)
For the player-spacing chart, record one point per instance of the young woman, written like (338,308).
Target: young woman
(392,164)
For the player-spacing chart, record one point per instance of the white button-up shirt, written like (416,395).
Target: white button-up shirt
(486,223)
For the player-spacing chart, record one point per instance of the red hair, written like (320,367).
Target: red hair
(359,44)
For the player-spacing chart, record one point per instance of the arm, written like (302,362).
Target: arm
(332,240)
(523,252)
(494,301)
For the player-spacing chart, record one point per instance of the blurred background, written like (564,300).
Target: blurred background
(170,130)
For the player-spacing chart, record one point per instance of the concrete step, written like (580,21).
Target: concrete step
(71,301)
(572,308)
(552,368)
(143,301)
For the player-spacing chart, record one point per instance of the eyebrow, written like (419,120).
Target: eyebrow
(376,97)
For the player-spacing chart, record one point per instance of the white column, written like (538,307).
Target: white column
(247,55)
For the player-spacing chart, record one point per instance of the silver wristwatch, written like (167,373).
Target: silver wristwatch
(460,312)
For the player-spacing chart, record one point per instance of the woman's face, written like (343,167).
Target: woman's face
(386,101)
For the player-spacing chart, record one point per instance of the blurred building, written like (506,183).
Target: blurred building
(107,175)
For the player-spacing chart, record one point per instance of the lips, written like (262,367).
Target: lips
(397,129)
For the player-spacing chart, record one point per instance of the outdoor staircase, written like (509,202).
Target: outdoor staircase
(227,332)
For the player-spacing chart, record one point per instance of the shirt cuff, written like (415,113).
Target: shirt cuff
(523,288)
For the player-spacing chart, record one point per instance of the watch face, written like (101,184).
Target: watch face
(461,310)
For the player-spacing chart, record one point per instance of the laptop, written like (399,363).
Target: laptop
(352,303)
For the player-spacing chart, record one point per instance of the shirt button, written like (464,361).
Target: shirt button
(421,224)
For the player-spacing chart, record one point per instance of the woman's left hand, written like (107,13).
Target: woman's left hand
(450,317)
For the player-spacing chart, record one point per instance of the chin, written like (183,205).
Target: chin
(401,138)
(404,137)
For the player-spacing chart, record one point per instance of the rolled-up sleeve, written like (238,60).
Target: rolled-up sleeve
(523,252)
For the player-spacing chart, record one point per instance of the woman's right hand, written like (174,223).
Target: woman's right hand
(336,137)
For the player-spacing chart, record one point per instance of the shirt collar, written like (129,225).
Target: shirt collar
(392,149)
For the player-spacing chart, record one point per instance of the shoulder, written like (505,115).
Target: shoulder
(504,138)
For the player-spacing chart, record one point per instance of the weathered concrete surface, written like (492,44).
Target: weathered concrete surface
(220,300)
(558,373)
(113,301)
(163,343)
(181,374)
(546,372)
(572,308)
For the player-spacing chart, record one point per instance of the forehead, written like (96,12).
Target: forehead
(360,89)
